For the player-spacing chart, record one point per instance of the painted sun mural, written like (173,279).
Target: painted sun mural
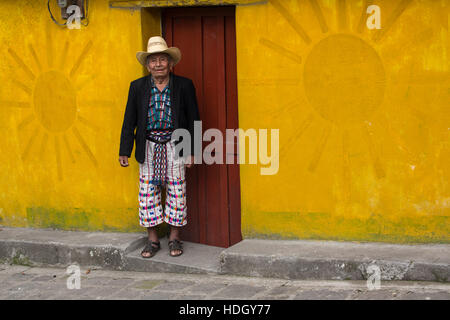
(343,68)
(52,110)
(363,113)
(344,78)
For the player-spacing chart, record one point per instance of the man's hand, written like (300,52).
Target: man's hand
(123,160)
(189,161)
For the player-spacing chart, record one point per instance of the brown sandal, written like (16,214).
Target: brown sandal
(175,245)
(151,247)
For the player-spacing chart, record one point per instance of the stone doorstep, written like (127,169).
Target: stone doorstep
(332,260)
(61,248)
(196,258)
(302,260)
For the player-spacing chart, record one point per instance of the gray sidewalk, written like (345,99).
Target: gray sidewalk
(31,283)
(292,260)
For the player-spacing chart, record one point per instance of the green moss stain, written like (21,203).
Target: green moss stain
(21,260)
(58,219)
(325,226)
(78,219)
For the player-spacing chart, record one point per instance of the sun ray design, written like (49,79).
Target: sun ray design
(368,133)
(26,121)
(428,78)
(279,49)
(281,111)
(413,110)
(54,113)
(397,139)
(68,148)
(58,158)
(411,42)
(16,104)
(82,85)
(362,20)
(23,87)
(44,143)
(22,65)
(29,144)
(342,15)
(420,115)
(361,101)
(360,86)
(84,146)
(63,57)
(319,148)
(391,20)
(346,166)
(49,46)
(88,123)
(82,56)
(297,134)
(291,20)
(355,83)
(35,57)
(319,15)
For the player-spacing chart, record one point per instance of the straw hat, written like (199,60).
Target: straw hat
(158,45)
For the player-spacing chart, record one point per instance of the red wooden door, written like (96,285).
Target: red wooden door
(207,40)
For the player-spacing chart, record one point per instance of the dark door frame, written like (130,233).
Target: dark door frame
(233,201)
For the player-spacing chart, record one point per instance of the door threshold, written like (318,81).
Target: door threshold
(196,258)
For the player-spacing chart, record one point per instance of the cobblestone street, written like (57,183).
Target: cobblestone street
(22,282)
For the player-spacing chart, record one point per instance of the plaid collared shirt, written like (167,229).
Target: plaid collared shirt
(159,111)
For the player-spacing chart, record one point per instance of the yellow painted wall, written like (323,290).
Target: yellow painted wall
(61,103)
(363,117)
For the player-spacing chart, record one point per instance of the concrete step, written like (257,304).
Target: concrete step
(115,251)
(292,259)
(197,258)
(61,248)
(333,260)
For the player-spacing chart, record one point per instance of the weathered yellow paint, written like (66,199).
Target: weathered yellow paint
(363,117)
(61,105)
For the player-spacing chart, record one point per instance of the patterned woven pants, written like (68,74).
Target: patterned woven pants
(151,212)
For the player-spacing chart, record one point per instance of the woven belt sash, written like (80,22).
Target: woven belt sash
(159,161)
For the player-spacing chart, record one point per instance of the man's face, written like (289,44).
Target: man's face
(159,65)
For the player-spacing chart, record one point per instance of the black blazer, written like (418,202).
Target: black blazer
(184,113)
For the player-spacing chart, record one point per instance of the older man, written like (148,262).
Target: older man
(157,105)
